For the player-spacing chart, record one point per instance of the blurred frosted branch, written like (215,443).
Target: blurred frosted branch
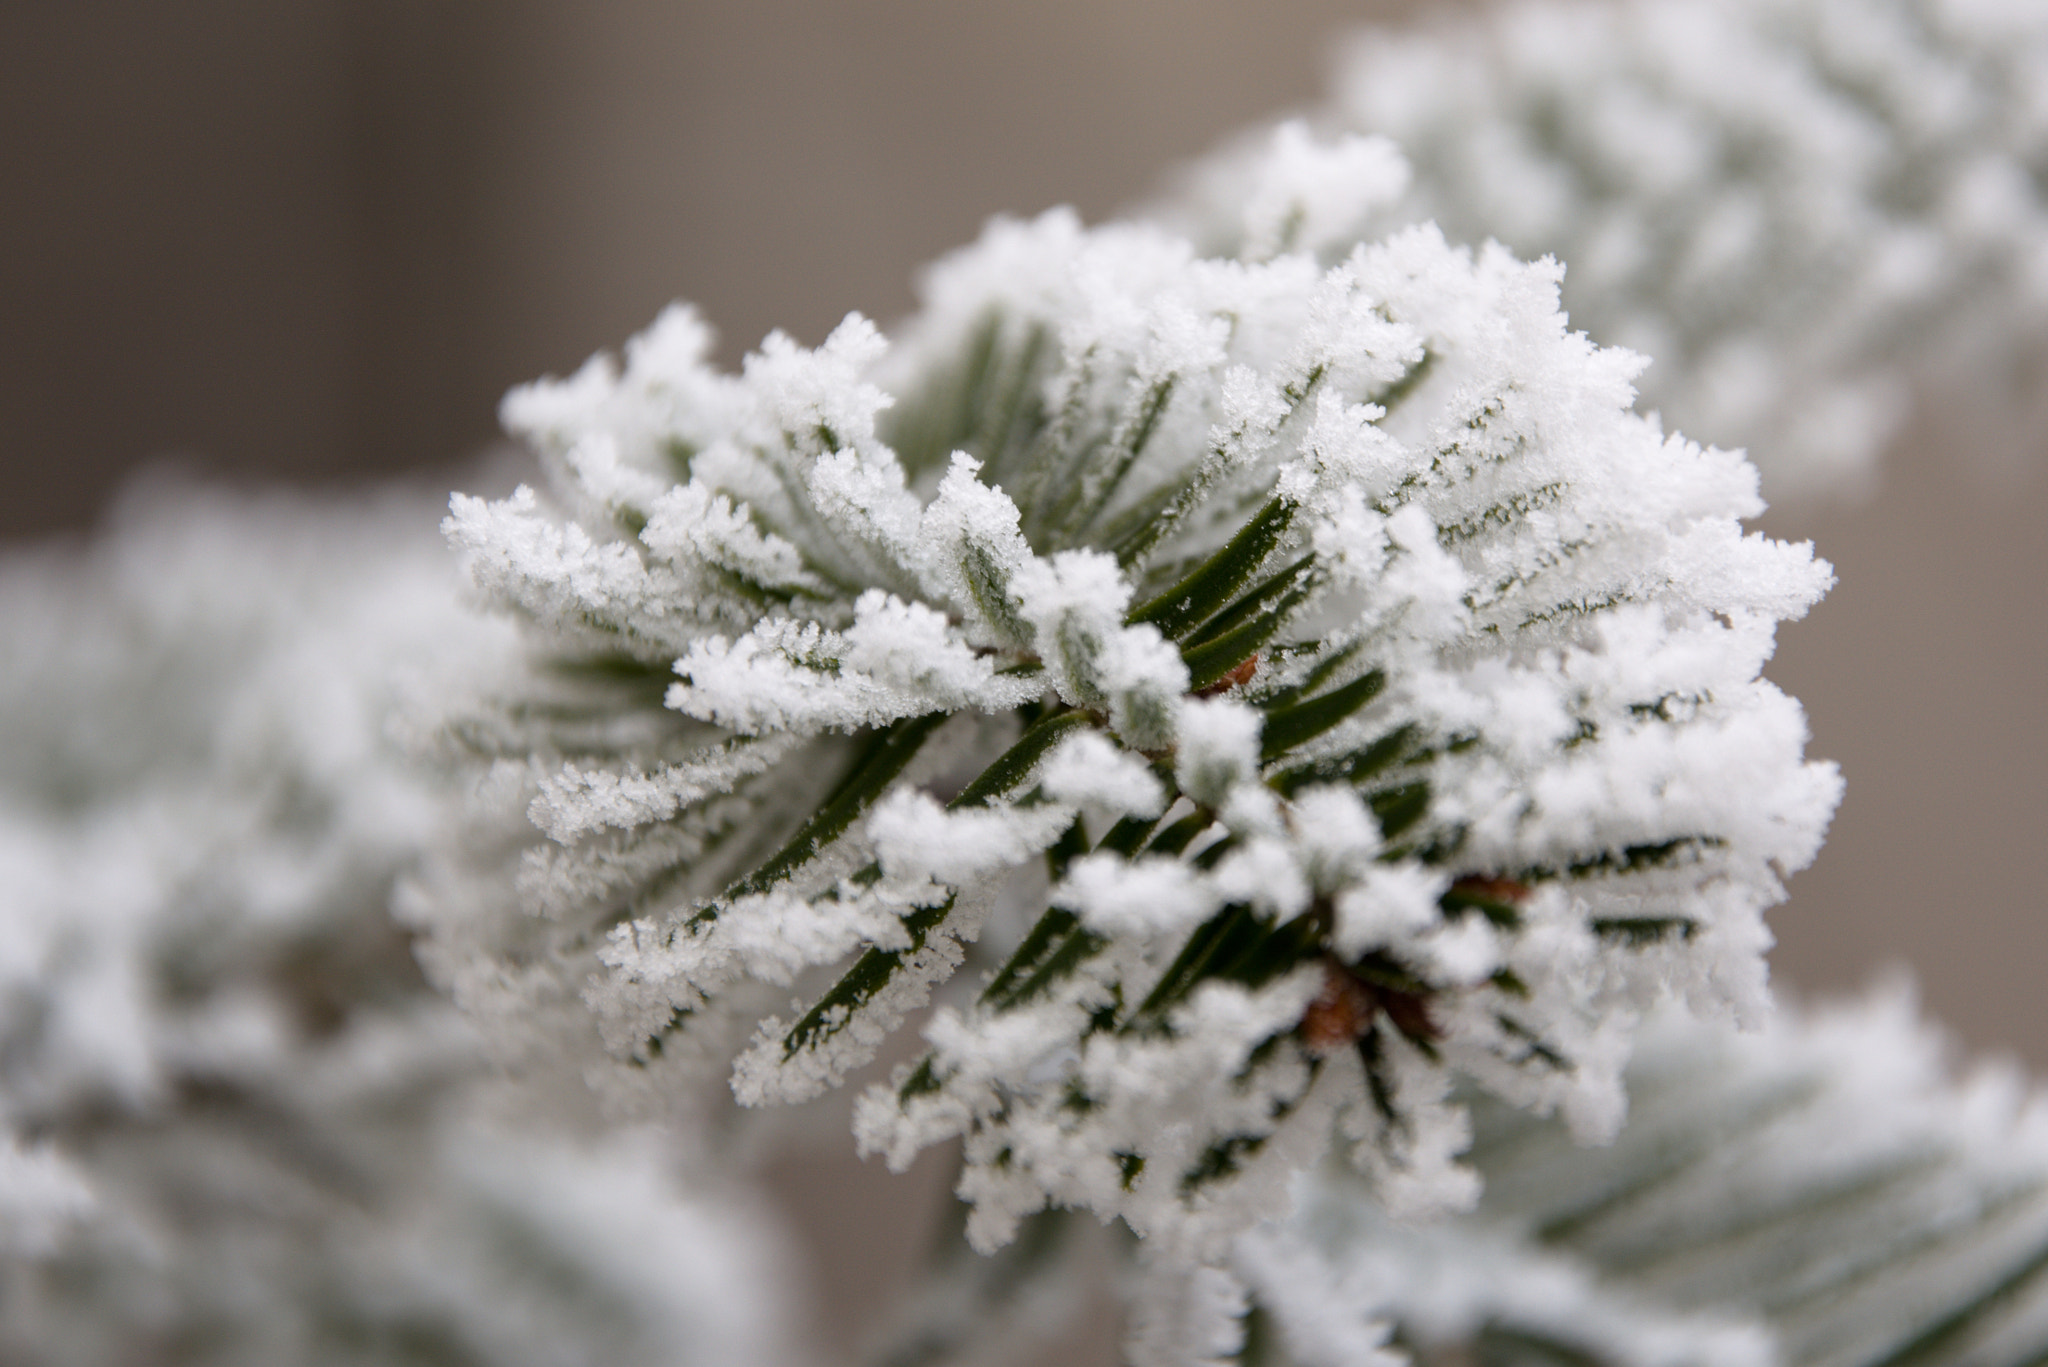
(257,1136)
(1808,212)
(1826,1191)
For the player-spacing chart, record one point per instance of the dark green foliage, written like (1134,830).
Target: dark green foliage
(1214,584)
(878,765)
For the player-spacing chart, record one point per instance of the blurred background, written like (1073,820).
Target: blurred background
(314,240)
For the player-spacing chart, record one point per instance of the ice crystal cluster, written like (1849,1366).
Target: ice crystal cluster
(1800,208)
(236,1124)
(1824,1191)
(1292,688)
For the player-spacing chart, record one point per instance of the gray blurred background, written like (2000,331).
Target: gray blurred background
(315,240)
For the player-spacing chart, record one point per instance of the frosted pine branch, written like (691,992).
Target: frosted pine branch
(201,814)
(1802,209)
(1826,1191)
(258,1136)
(1301,688)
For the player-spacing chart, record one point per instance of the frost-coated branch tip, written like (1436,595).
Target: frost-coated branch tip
(1295,688)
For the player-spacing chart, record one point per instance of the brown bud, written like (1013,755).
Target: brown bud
(1492,889)
(1239,674)
(1340,1015)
